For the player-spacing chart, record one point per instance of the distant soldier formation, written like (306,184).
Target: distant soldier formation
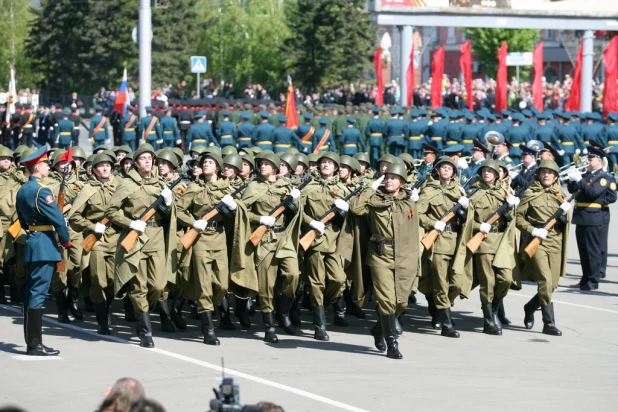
(358,204)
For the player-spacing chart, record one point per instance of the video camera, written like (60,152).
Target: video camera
(227,398)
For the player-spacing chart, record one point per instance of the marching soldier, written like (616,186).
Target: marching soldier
(540,201)
(501,151)
(596,190)
(63,133)
(392,254)
(129,125)
(305,133)
(396,130)
(28,126)
(351,138)
(375,135)
(86,217)
(612,137)
(200,133)
(151,129)
(417,129)
(453,129)
(284,138)
(144,271)
(436,129)
(570,140)
(517,135)
(365,167)
(77,120)
(264,133)
(169,129)
(185,116)
(469,131)
(323,140)
(226,130)
(38,214)
(98,128)
(593,130)
(245,130)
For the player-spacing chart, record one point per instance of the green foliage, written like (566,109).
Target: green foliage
(242,40)
(15,15)
(331,41)
(486,42)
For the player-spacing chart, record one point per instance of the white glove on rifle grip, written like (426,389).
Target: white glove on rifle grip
(99,228)
(317,225)
(342,205)
(512,201)
(565,206)
(295,193)
(229,202)
(267,221)
(377,183)
(439,226)
(485,228)
(540,233)
(464,202)
(138,226)
(167,196)
(200,224)
(415,196)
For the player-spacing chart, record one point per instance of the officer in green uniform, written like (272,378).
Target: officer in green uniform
(438,281)
(393,252)
(150,126)
(85,217)
(226,130)
(144,271)
(169,129)
(98,128)
(64,131)
(39,215)
(542,199)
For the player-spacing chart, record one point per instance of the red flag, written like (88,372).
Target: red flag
(610,92)
(501,77)
(290,107)
(573,103)
(437,73)
(410,76)
(465,64)
(377,61)
(67,156)
(537,82)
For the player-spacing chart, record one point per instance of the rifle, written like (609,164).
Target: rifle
(91,239)
(16,226)
(419,183)
(129,241)
(189,238)
(430,238)
(61,266)
(503,211)
(261,230)
(310,236)
(536,242)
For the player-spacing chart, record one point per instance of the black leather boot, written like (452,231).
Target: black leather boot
(226,316)
(193,310)
(529,309)
(129,312)
(73,303)
(489,326)
(412,299)
(494,310)
(378,336)
(241,312)
(251,307)
(448,329)
(166,317)
(339,309)
(283,315)
(101,313)
(144,329)
(61,304)
(306,299)
(208,328)
(433,311)
(319,323)
(34,334)
(398,324)
(390,335)
(88,305)
(295,311)
(176,314)
(501,313)
(549,324)
(269,326)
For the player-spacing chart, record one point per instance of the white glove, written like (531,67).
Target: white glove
(462,164)
(295,193)
(566,206)
(575,175)
(57,140)
(317,225)
(585,151)
(167,196)
(138,226)
(66,222)
(540,233)
(577,151)
(342,205)
(267,221)
(160,141)
(229,202)
(439,226)
(178,141)
(200,224)
(464,202)
(485,228)
(414,196)
(377,183)
(561,152)
(512,201)
(513,174)
(108,141)
(99,228)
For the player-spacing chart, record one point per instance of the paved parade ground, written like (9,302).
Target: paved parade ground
(521,370)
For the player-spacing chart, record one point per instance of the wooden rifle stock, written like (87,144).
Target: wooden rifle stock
(310,236)
(474,243)
(430,238)
(91,239)
(14,228)
(62,265)
(259,233)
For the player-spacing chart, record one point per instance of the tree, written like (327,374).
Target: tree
(14,30)
(486,42)
(242,40)
(330,42)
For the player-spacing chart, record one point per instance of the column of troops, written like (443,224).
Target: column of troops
(292,224)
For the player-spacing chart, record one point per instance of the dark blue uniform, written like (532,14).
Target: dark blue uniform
(284,138)
(128,125)
(64,133)
(350,140)
(305,131)
(244,132)
(263,136)
(375,135)
(417,129)
(436,133)
(200,134)
(226,132)
(396,131)
(517,135)
(169,129)
(570,141)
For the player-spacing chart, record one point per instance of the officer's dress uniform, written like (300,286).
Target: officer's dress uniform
(436,132)
(245,132)
(517,135)
(98,136)
(200,134)
(305,134)
(375,134)
(284,138)
(64,133)
(469,131)
(263,135)
(396,131)
(170,131)
(153,136)
(350,140)
(570,141)
(611,132)
(417,129)
(328,145)
(129,125)
(28,128)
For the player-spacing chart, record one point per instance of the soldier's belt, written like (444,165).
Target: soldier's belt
(590,205)
(265,142)
(451,228)
(168,131)
(496,229)
(414,138)
(199,140)
(42,228)
(131,129)
(225,136)
(349,145)
(567,143)
(152,223)
(612,142)
(151,132)
(375,134)
(467,141)
(586,142)
(451,142)
(437,138)
(278,229)
(283,145)
(244,138)
(65,133)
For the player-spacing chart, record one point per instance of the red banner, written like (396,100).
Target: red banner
(377,62)
(465,64)
(610,89)
(537,82)
(437,73)
(501,102)
(573,103)
(410,77)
